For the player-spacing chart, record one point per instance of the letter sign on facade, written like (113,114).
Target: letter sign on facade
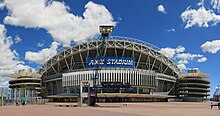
(120,62)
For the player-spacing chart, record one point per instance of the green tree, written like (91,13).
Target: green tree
(43,93)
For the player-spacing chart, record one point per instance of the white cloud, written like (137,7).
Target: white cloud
(216,4)
(180,57)
(201,3)
(211,46)
(40,45)
(171,30)
(9,62)
(43,55)
(119,18)
(2,5)
(188,56)
(183,61)
(180,49)
(203,59)
(57,20)
(18,39)
(200,17)
(170,52)
(182,66)
(4,81)
(185,58)
(161,9)
(195,68)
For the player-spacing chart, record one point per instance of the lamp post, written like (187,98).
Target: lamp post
(2,97)
(104,30)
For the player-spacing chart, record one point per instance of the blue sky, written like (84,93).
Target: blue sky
(188,30)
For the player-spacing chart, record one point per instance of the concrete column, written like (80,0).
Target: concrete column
(12,95)
(51,86)
(162,86)
(58,91)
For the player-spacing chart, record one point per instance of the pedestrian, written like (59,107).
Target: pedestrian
(17,103)
(219,105)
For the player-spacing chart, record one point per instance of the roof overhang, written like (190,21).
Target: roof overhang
(200,75)
(25,74)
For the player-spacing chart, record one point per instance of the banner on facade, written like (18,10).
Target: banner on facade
(120,62)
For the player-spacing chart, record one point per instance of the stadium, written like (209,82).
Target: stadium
(132,70)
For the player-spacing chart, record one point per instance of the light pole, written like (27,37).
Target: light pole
(2,97)
(104,30)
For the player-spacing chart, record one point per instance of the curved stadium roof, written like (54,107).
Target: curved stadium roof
(147,56)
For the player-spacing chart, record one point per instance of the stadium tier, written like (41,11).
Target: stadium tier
(193,87)
(25,87)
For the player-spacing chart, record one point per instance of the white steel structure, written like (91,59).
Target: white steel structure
(153,70)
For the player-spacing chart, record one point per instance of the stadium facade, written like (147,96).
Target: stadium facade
(131,69)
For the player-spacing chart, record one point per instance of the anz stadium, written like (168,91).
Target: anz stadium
(131,70)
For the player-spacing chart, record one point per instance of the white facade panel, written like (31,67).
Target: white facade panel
(136,77)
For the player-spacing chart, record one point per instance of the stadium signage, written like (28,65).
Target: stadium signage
(121,62)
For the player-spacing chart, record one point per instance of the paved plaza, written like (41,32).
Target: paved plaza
(114,109)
